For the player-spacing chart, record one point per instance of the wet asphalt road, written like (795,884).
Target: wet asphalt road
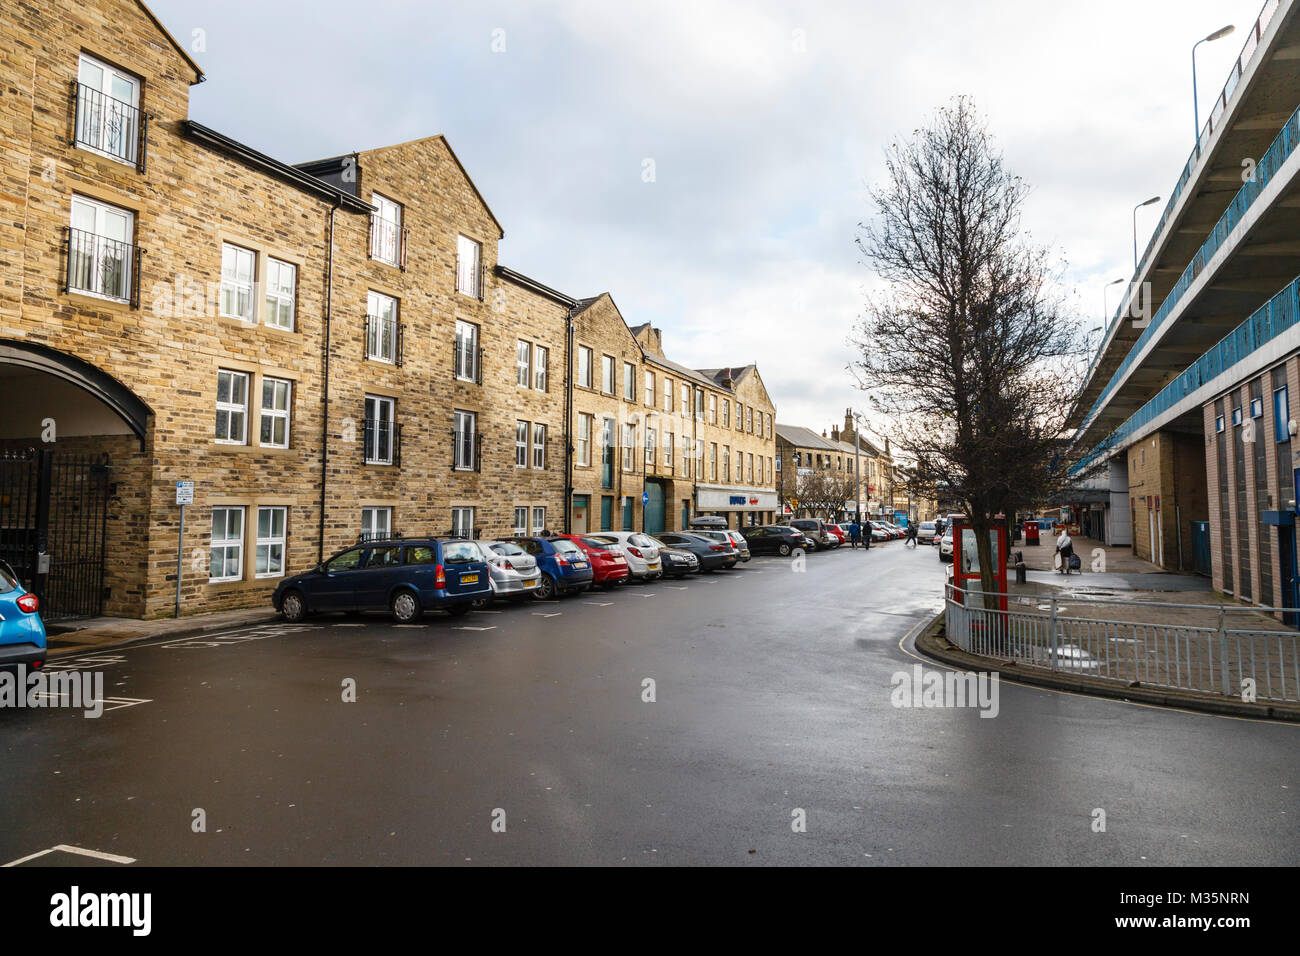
(772,695)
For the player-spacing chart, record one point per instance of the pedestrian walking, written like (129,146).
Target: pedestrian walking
(855,532)
(866,533)
(911,534)
(1065,548)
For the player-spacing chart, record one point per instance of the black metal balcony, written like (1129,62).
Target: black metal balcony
(466,451)
(384,339)
(109,126)
(382,442)
(101,266)
(387,242)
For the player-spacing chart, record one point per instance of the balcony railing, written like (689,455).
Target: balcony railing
(1267,322)
(366,536)
(384,339)
(382,443)
(109,126)
(388,242)
(1248,51)
(101,266)
(1278,153)
(466,451)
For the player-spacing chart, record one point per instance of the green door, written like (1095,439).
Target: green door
(686,514)
(627,513)
(654,508)
(606,513)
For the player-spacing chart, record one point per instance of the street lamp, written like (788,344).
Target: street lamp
(1196,108)
(1153,199)
(1105,303)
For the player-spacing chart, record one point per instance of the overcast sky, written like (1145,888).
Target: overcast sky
(765,122)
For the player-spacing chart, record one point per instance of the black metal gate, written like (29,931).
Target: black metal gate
(53,515)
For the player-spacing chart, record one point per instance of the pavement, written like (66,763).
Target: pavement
(753,717)
(90,634)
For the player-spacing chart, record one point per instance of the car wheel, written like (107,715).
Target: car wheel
(406,607)
(783,550)
(459,610)
(293,606)
(545,588)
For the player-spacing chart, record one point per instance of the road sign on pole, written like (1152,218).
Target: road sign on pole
(184,496)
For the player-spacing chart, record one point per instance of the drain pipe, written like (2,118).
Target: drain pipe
(568,421)
(329,301)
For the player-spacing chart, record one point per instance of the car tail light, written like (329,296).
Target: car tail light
(29,603)
(718,547)
(440,577)
(635,552)
(507,565)
(561,560)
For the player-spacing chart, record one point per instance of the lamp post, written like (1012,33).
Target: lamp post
(1196,108)
(1147,202)
(1105,303)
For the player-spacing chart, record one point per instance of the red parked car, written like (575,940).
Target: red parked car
(838,532)
(608,565)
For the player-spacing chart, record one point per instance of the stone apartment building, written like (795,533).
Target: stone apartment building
(328,351)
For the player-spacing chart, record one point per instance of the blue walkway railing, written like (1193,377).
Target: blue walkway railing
(1267,322)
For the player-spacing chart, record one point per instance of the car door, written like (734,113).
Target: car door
(379,573)
(334,588)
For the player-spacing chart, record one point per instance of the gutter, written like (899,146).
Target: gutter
(325,384)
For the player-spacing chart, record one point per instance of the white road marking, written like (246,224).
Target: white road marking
(467,627)
(599,603)
(677,587)
(65,848)
(341,624)
(541,614)
(646,594)
(421,626)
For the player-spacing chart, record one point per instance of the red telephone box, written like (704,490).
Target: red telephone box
(965,559)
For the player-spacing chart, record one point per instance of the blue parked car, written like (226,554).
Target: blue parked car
(22,632)
(564,566)
(403,577)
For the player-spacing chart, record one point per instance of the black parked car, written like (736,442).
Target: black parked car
(713,555)
(403,577)
(774,539)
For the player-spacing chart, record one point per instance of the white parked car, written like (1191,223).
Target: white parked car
(513,570)
(641,552)
(945,547)
(926,532)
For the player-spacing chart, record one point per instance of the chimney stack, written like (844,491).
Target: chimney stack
(835,433)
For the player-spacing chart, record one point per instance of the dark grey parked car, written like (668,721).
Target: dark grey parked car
(713,555)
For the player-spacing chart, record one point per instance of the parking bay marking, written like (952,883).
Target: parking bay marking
(467,627)
(599,603)
(79,851)
(542,614)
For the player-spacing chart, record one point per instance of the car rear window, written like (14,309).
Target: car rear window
(601,541)
(508,548)
(529,545)
(7,581)
(565,546)
(927,525)
(641,541)
(461,552)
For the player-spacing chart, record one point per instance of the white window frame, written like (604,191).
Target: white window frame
(381,334)
(383,451)
(629,381)
(585,356)
(101,211)
(668,394)
(726,463)
(713,409)
(521,527)
(539,446)
(462,521)
(231,408)
(648,377)
(280,296)
(650,436)
(585,422)
(539,519)
(372,528)
(608,383)
(227,544)
(629,447)
(233,283)
(523,363)
(466,358)
(522,432)
(279,410)
(669,443)
(266,544)
(464,430)
(726,413)
(541,368)
(685,392)
(105,89)
(389,213)
(468,273)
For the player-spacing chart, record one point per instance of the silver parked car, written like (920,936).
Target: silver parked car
(733,538)
(512,569)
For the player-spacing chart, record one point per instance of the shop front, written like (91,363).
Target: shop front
(742,507)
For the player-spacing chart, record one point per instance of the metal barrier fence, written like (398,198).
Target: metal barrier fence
(1209,660)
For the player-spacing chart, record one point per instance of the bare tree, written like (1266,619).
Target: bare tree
(971,352)
(824,493)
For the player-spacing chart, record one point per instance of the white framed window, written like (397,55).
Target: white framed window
(381,327)
(629,381)
(232,407)
(226,561)
(466,351)
(468,274)
(521,444)
(750,473)
(238,270)
(768,430)
(584,439)
(750,414)
(584,366)
(376,523)
(381,418)
(539,445)
(521,521)
(464,434)
(713,409)
(100,255)
(713,461)
(607,374)
(462,522)
(726,413)
(669,443)
(686,400)
(726,462)
(539,520)
(268,559)
(541,363)
(385,229)
(108,110)
(649,447)
(629,447)
(281,283)
(523,364)
(649,379)
(276,395)
(668,394)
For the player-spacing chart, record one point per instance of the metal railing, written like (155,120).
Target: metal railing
(384,339)
(1266,323)
(1218,659)
(102,266)
(1248,52)
(382,442)
(109,126)
(387,241)
(1281,149)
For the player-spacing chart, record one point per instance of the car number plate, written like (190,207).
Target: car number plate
(469,579)
(529,582)
(654,565)
(580,565)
